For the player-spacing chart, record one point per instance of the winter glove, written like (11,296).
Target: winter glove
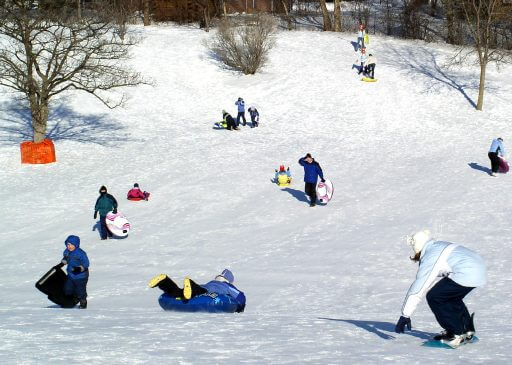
(323,180)
(402,322)
(114,211)
(95,214)
(63,262)
(77,269)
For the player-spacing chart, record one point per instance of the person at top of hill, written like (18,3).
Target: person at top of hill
(366,39)
(496,149)
(228,121)
(369,66)
(360,36)
(136,194)
(312,171)
(447,272)
(255,116)
(361,59)
(222,285)
(78,270)
(104,204)
(241,111)
(283,176)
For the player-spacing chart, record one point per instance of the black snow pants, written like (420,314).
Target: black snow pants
(310,190)
(495,161)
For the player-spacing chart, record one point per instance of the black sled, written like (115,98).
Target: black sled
(52,284)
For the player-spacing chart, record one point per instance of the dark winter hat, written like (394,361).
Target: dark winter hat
(103,188)
(226,275)
(500,139)
(135,185)
(74,240)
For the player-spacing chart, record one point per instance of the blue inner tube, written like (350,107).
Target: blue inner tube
(213,303)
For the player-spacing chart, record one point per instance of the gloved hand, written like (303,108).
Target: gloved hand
(114,211)
(288,169)
(323,180)
(402,322)
(77,269)
(64,261)
(95,214)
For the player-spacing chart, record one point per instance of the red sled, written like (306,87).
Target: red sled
(138,198)
(503,166)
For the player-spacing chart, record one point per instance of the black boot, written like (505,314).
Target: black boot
(83,303)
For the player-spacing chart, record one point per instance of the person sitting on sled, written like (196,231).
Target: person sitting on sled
(136,194)
(447,272)
(283,177)
(222,284)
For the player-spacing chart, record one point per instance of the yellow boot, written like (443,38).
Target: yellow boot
(157,279)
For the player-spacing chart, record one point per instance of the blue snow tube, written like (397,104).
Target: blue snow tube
(213,303)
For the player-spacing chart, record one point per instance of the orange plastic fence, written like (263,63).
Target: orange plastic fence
(38,153)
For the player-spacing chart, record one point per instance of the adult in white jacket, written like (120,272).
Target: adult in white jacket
(447,272)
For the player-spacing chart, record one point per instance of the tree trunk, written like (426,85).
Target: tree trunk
(147,21)
(39,113)
(79,9)
(288,17)
(337,16)
(450,21)
(325,14)
(481,87)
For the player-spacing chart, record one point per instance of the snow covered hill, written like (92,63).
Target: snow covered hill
(324,285)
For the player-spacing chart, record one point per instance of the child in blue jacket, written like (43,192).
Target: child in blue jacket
(255,116)
(312,171)
(77,269)
(241,111)
(222,284)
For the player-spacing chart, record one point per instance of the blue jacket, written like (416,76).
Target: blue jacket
(241,106)
(311,171)
(497,147)
(254,114)
(441,259)
(221,287)
(76,258)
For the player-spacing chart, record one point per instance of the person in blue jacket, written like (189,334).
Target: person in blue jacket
(312,171)
(78,270)
(255,116)
(104,204)
(447,272)
(222,284)
(241,111)
(495,150)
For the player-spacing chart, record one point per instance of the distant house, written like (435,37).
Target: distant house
(185,11)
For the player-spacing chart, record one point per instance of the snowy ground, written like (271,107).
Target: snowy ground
(324,285)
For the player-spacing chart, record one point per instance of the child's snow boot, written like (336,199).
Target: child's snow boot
(83,303)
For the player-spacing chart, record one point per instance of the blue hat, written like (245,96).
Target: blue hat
(74,240)
(228,275)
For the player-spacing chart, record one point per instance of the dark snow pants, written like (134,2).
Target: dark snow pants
(495,161)
(76,288)
(240,114)
(370,70)
(445,301)
(310,190)
(104,232)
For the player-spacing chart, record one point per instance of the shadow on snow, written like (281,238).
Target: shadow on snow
(63,124)
(380,328)
(478,167)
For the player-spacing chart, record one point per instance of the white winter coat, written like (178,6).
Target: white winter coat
(444,259)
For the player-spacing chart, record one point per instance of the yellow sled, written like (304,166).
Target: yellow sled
(283,181)
(367,79)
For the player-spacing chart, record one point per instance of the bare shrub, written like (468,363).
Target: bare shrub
(244,43)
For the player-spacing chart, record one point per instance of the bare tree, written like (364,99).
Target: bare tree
(244,46)
(485,19)
(146,12)
(337,16)
(44,54)
(326,16)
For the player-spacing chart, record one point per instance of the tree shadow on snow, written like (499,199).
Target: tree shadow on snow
(423,61)
(478,167)
(298,194)
(63,124)
(380,328)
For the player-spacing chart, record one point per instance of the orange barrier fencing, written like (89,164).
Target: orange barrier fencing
(38,153)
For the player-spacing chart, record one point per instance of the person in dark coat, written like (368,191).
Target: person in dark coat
(222,284)
(78,270)
(255,116)
(229,120)
(312,171)
(104,204)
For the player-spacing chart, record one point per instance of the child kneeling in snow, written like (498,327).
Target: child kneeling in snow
(283,177)
(255,116)
(136,194)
